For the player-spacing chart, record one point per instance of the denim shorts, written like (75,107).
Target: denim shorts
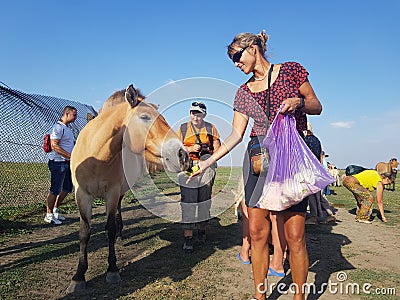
(60,174)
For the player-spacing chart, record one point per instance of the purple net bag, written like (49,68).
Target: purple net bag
(294,171)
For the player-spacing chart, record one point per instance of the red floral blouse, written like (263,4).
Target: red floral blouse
(291,76)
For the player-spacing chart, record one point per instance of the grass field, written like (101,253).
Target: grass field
(22,184)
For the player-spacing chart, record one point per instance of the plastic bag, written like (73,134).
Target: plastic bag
(294,171)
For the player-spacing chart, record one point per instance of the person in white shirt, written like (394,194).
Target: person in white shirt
(62,143)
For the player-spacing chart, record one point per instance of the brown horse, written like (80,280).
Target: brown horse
(125,124)
(390,167)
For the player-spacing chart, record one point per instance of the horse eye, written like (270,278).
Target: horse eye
(145,117)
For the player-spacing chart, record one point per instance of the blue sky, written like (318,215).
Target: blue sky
(85,50)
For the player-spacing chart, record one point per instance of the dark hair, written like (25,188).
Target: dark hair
(69,109)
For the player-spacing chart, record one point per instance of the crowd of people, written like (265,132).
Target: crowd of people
(271,87)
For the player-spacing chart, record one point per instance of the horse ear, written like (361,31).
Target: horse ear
(132,96)
(156,106)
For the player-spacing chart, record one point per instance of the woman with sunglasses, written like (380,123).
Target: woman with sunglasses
(270,87)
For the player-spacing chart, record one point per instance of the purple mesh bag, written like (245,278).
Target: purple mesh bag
(294,171)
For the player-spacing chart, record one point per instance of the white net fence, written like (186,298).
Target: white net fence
(24,121)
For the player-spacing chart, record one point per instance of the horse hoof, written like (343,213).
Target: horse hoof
(113,277)
(76,286)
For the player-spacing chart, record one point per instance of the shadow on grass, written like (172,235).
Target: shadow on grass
(168,262)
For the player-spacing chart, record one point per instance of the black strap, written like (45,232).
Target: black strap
(183,130)
(268,90)
(196,133)
(210,136)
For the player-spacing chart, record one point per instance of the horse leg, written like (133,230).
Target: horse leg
(111,227)
(118,220)
(84,202)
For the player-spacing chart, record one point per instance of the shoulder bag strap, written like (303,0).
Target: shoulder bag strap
(268,90)
(196,133)
(210,135)
(183,130)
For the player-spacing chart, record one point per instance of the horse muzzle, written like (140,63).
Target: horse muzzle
(184,159)
(174,155)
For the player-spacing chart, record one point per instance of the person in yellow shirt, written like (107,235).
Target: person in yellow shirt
(201,139)
(362,185)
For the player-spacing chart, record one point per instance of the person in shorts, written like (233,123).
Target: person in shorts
(62,143)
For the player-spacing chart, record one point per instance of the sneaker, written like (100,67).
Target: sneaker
(188,244)
(49,218)
(58,216)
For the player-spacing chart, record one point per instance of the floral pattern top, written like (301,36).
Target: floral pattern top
(254,105)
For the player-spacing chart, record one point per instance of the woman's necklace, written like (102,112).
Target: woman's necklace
(262,78)
(259,79)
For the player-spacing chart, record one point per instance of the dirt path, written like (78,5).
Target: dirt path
(161,271)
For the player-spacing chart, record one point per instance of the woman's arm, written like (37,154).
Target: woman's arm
(312,106)
(379,199)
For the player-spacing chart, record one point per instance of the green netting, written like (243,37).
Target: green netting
(25,119)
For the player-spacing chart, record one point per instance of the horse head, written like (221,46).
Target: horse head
(148,132)
(394,163)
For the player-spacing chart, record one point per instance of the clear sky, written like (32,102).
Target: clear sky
(86,50)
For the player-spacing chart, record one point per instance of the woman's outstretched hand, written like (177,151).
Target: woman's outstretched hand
(197,170)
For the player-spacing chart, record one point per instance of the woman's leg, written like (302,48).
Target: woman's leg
(245,251)
(278,241)
(259,226)
(298,258)
(364,198)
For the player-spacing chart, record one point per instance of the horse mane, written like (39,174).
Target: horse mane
(117,98)
(120,96)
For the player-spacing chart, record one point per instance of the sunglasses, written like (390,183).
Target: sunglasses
(199,104)
(238,54)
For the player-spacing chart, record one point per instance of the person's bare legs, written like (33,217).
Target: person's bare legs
(278,241)
(60,198)
(50,201)
(259,226)
(298,258)
(245,250)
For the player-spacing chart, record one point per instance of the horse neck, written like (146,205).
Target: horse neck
(108,136)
